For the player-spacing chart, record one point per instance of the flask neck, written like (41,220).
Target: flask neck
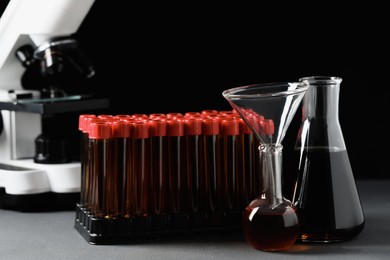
(320,125)
(321,102)
(271,161)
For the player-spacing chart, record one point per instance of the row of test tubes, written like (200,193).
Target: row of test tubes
(140,165)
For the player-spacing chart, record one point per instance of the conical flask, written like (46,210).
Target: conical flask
(325,195)
(270,222)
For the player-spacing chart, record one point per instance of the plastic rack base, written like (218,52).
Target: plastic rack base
(100,231)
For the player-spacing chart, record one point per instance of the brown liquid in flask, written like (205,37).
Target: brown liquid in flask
(326,196)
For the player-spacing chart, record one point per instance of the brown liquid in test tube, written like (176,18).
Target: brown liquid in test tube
(158,165)
(101,161)
(140,185)
(90,166)
(84,136)
(110,175)
(251,162)
(248,160)
(177,167)
(120,134)
(231,172)
(193,155)
(212,169)
(246,152)
(128,204)
(257,123)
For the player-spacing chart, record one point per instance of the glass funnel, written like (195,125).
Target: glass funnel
(269,222)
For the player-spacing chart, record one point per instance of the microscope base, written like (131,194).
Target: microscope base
(28,186)
(40,202)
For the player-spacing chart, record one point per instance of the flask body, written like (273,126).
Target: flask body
(326,196)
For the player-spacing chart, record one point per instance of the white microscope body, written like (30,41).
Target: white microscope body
(35,23)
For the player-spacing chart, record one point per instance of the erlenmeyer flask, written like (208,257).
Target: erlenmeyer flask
(270,222)
(326,196)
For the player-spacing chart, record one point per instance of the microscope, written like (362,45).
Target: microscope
(43,71)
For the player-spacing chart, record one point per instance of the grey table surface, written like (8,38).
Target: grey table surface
(51,235)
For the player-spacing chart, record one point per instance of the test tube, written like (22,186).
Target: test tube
(232,174)
(250,158)
(140,189)
(176,166)
(90,169)
(101,161)
(129,181)
(84,161)
(243,158)
(120,137)
(193,155)
(158,166)
(212,170)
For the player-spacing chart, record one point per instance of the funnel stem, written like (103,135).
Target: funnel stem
(271,161)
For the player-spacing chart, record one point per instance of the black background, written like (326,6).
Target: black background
(160,58)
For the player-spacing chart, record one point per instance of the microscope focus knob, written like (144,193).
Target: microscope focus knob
(51,150)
